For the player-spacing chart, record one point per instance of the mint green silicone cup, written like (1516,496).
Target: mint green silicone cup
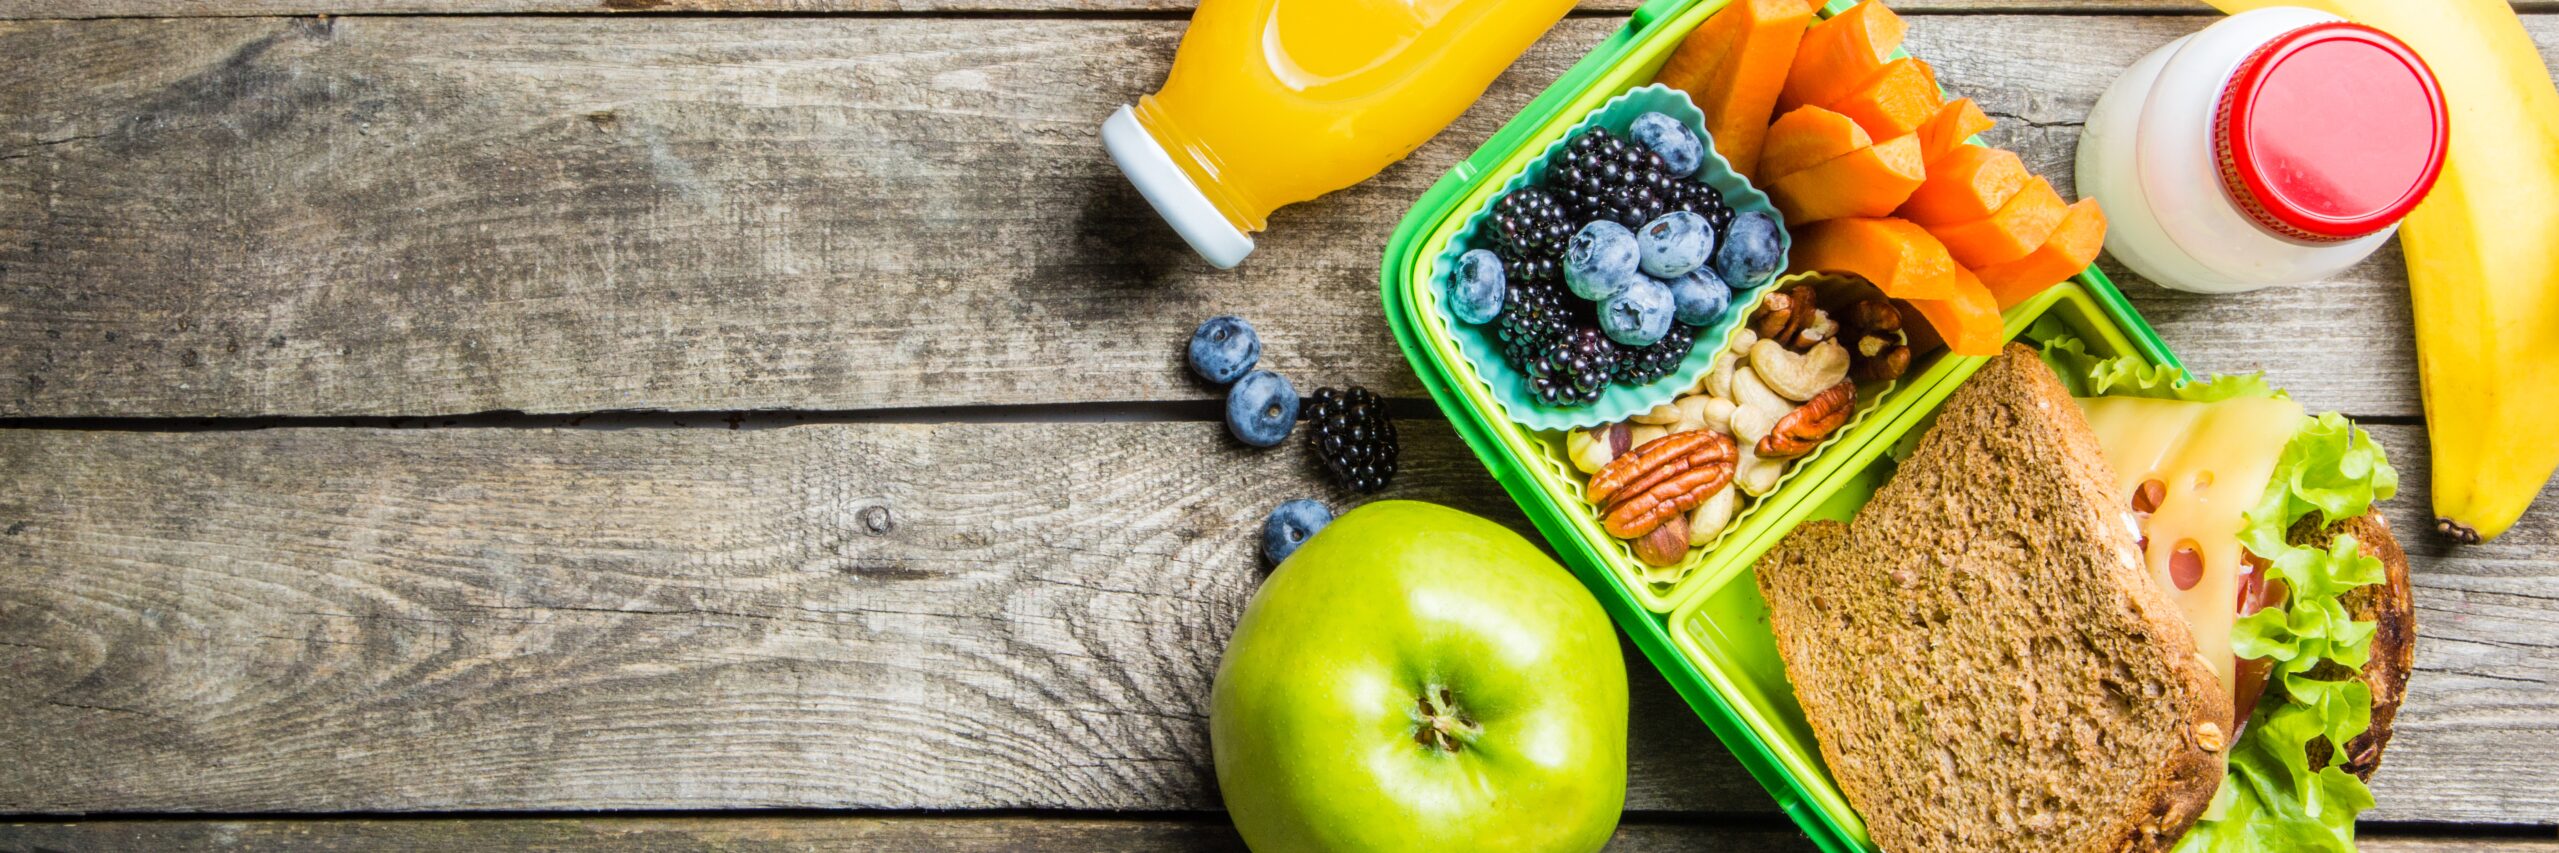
(1477,343)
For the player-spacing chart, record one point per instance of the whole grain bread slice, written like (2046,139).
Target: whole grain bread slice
(2392,609)
(1982,656)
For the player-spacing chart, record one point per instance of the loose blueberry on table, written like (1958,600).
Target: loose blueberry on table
(1289,526)
(1223,348)
(1261,409)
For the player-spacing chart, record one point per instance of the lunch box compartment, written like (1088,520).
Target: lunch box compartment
(1723,628)
(1708,633)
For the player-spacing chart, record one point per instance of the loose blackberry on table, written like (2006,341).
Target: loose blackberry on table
(1352,436)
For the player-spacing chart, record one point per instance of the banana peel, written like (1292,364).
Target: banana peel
(2483,257)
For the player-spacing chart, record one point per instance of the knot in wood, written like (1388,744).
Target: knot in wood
(876,521)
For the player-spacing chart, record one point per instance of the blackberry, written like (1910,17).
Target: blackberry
(1637,366)
(1531,226)
(1575,369)
(1353,437)
(1543,269)
(1702,200)
(1534,314)
(1603,176)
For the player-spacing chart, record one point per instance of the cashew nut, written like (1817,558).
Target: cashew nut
(1645,433)
(1799,377)
(1709,518)
(1756,477)
(1752,392)
(1718,381)
(1706,412)
(1750,425)
(1661,415)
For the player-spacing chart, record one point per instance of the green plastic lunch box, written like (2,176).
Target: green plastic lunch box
(1708,634)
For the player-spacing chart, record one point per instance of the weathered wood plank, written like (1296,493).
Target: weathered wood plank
(53,9)
(47,9)
(749,834)
(440,215)
(863,616)
(881,616)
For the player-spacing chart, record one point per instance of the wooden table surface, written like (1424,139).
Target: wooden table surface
(674,424)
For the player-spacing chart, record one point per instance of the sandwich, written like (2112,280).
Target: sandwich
(2099,606)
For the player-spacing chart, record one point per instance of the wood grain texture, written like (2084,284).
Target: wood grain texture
(1002,616)
(955,834)
(832,616)
(55,9)
(438,215)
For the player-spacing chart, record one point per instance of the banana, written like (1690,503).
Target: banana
(2483,268)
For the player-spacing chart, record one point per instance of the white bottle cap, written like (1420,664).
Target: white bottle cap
(1174,196)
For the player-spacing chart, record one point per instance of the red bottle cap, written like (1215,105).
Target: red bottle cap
(2330,132)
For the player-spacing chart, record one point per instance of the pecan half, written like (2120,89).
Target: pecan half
(1804,428)
(1641,513)
(1655,461)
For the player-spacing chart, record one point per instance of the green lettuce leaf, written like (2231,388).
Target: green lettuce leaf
(2090,375)
(2272,799)
(2262,805)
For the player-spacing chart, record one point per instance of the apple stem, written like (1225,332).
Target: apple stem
(1444,726)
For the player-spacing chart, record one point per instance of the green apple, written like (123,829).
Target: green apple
(1417,678)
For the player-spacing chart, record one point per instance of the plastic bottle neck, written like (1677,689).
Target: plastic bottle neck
(1203,166)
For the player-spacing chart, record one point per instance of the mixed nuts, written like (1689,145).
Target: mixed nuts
(1671,479)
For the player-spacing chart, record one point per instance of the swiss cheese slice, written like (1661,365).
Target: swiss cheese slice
(2213,461)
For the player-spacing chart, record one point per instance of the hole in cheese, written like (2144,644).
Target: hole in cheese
(2186,565)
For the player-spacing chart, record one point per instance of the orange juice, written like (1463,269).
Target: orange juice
(1273,102)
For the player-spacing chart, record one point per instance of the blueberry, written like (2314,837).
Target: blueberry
(1223,348)
(1290,526)
(1475,292)
(1639,316)
(1261,408)
(1600,260)
(1675,243)
(1701,297)
(1678,146)
(1750,253)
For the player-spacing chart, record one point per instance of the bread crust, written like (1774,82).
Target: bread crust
(2016,391)
(2391,607)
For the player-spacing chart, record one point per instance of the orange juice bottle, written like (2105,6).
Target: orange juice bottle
(1272,102)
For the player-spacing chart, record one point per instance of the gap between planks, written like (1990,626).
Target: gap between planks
(1149,411)
(1062,831)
